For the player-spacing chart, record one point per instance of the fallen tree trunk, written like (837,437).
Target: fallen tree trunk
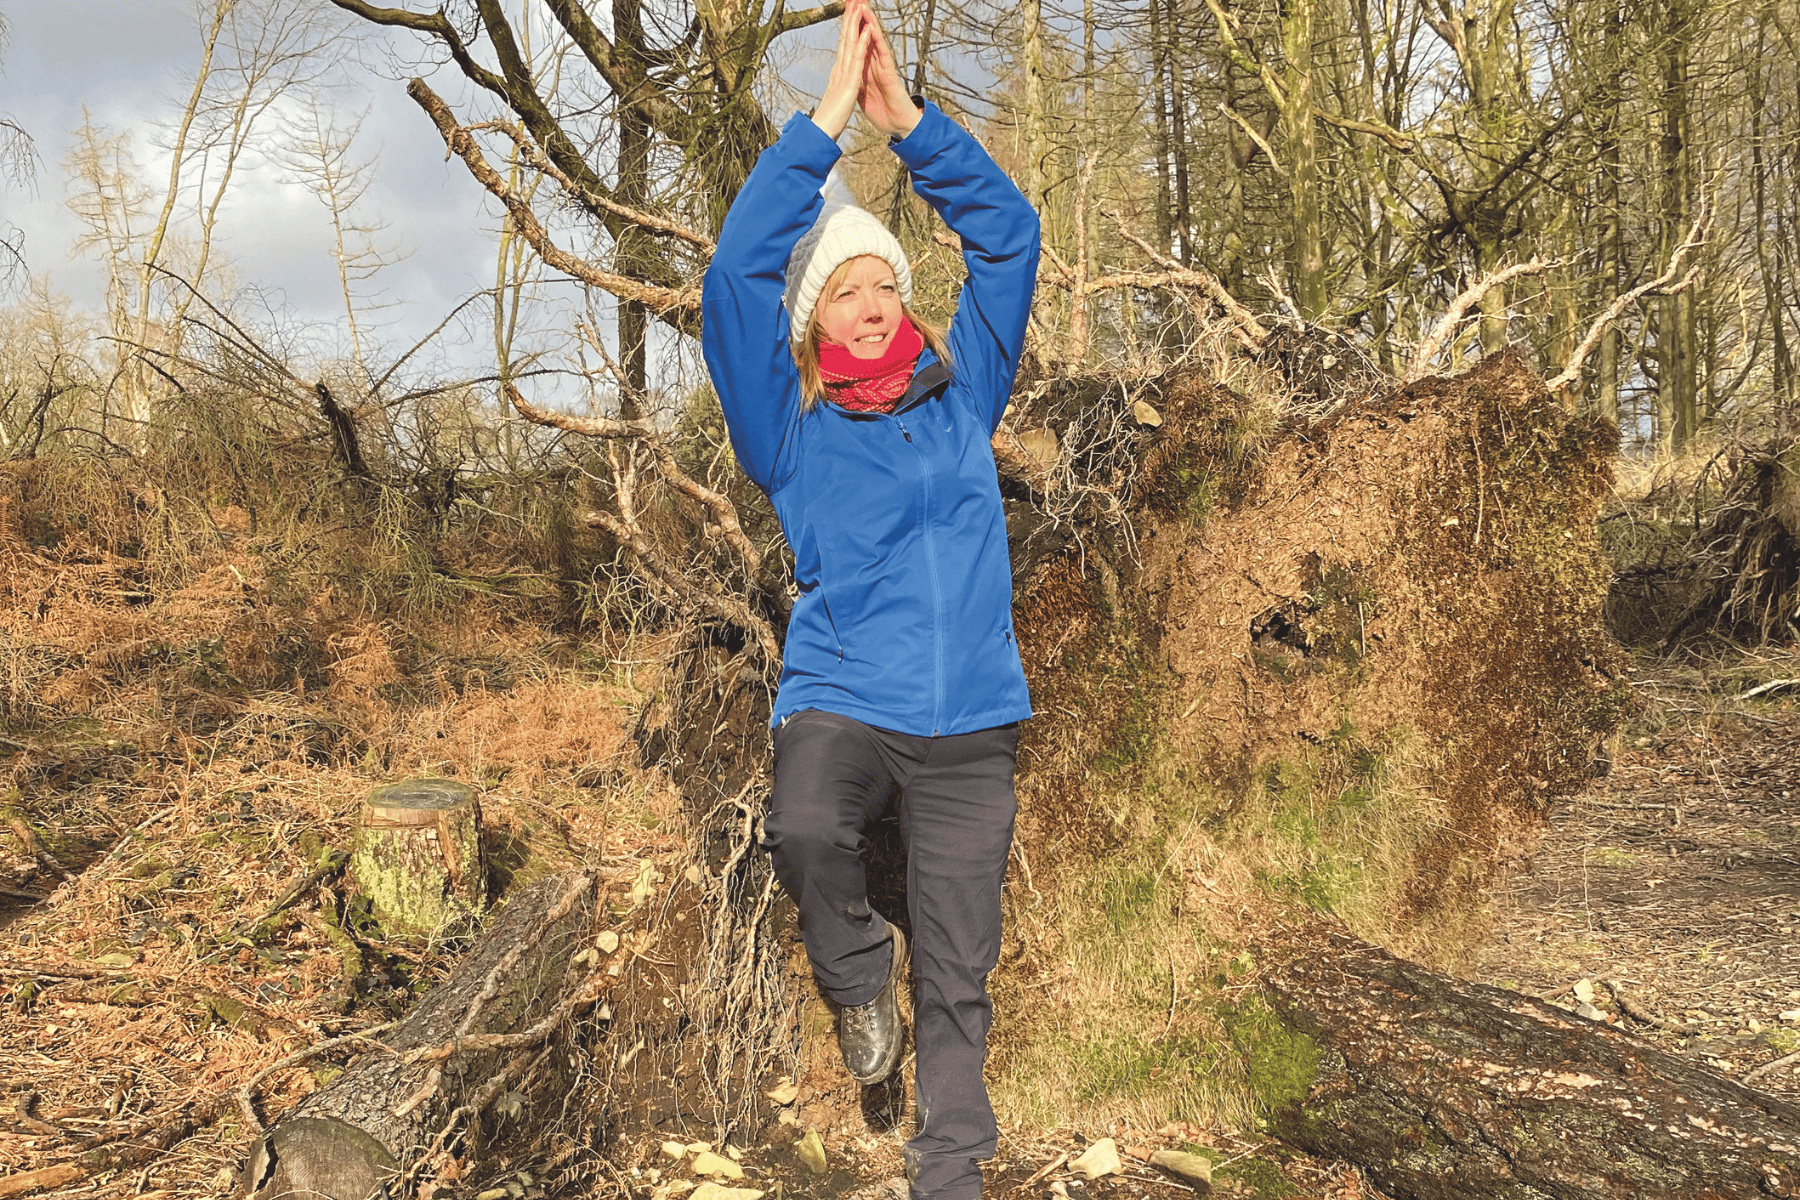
(1441,1089)
(468,1040)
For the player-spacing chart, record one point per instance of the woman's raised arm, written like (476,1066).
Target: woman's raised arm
(744,333)
(997,225)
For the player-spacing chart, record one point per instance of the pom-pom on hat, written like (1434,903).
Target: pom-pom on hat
(842,231)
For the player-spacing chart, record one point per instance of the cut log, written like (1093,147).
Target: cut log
(418,856)
(1445,1090)
(464,1042)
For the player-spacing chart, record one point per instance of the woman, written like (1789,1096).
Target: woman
(869,431)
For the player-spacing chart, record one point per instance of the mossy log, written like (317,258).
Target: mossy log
(467,1039)
(418,856)
(1440,1089)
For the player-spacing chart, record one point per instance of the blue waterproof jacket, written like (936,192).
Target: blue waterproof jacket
(904,619)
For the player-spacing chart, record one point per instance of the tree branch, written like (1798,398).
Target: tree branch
(602,427)
(1252,332)
(1665,284)
(1420,366)
(808,17)
(537,160)
(677,307)
(1261,143)
(438,26)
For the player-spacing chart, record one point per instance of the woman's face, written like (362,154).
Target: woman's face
(864,310)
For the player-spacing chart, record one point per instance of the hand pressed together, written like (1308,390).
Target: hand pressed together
(864,75)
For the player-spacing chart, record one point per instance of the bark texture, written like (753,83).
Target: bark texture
(389,1106)
(1445,1090)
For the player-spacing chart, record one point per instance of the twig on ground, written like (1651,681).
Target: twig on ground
(1758,1072)
(33,847)
(1635,1011)
(1763,689)
(246,1095)
(94,869)
(333,865)
(13,966)
(1048,1167)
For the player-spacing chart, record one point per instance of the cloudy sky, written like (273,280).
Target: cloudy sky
(130,66)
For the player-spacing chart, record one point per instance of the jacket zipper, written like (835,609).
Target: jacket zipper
(937,595)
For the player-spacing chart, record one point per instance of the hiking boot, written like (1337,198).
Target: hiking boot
(870,1035)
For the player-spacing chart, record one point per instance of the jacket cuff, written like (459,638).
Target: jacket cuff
(926,138)
(809,138)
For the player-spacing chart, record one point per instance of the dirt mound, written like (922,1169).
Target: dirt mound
(1419,575)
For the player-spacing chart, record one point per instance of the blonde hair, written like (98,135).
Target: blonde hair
(806,354)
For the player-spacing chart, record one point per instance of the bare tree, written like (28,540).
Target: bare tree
(18,163)
(318,152)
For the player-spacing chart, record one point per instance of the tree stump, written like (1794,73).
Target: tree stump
(483,1030)
(418,856)
(1445,1090)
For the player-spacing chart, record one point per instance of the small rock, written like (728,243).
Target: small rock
(714,1191)
(786,1117)
(811,1149)
(1101,1158)
(708,1163)
(645,885)
(1753,1025)
(1057,1189)
(733,1153)
(698,1147)
(1583,1008)
(1145,414)
(1191,1167)
(1041,445)
(675,1150)
(784,1095)
(1792,1014)
(1584,990)
(608,942)
(692,874)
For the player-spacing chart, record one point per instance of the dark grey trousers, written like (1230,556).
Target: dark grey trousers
(833,776)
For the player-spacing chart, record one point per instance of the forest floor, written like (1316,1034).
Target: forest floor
(1667,896)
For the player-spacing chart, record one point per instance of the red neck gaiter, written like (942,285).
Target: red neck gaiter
(871,384)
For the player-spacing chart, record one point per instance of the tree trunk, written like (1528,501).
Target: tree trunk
(1307,262)
(1034,103)
(418,856)
(1612,218)
(1159,73)
(1677,406)
(388,1108)
(1441,1089)
(634,254)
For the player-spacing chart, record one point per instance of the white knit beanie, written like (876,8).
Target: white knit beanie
(842,232)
